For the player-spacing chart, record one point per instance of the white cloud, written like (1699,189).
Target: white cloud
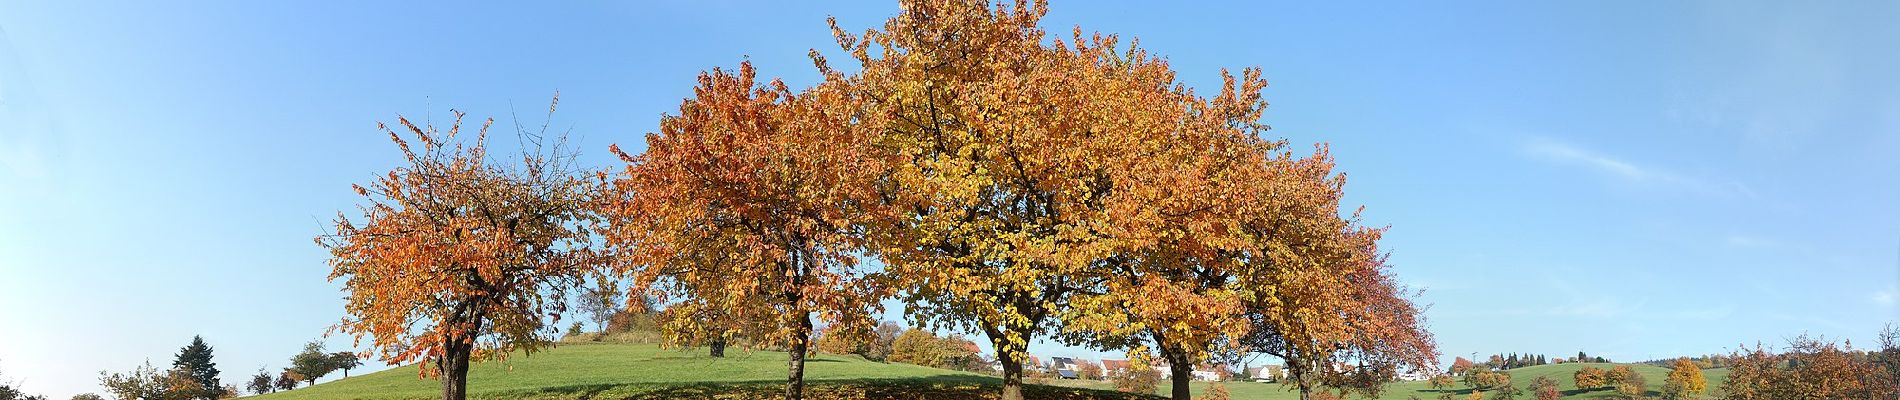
(1562,153)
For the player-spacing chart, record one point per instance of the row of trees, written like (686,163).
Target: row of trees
(194,375)
(1011,186)
(1814,368)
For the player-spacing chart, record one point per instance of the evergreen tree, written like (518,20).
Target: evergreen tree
(195,360)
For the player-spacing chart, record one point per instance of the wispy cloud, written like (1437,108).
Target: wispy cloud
(1886,297)
(1557,152)
(1564,153)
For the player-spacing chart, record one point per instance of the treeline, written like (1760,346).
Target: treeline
(1011,184)
(194,375)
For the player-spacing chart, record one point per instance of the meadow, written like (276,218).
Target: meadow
(645,371)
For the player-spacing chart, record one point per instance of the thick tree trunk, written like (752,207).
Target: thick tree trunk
(454,369)
(1012,378)
(795,372)
(718,346)
(1180,368)
(1178,375)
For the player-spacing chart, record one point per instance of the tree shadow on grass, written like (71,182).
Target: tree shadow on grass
(928,387)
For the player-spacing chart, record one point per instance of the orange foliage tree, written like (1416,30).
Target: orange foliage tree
(458,257)
(1006,154)
(1325,299)
(1811,368)
(748,203)
(1685,380)
(1589,378)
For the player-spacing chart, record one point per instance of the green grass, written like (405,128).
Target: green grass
(620,371)
(617,371)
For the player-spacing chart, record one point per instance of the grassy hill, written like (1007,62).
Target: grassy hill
(616,371)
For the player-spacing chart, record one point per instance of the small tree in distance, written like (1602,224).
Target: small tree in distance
(312,363)
(1633,386)
(287,380)
(1589,378)
(260,383)
(1685,381)
(1545,388)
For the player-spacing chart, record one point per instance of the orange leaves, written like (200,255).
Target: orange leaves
(456,257)
(747,200)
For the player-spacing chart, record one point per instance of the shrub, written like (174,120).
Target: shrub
(1632,386)
(1137,379)
(1545,389)
(1216,391)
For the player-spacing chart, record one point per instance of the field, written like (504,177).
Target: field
(615,371)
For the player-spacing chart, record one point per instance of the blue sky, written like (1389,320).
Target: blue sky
(1634,179)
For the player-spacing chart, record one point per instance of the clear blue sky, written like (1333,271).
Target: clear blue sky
(1630,178)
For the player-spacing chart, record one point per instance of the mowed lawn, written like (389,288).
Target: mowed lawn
(619,371)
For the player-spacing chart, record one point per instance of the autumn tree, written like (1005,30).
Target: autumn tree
(883,338)
(148,383)
(287,380)
(1090,370)
(1616,375)
(1545,388)
(842,343)
(456,256)
(919,347)
(1589,378)
(1138,377)
(1685,381)
(1332,300)
(1460,365)
(1441,382)
(751,201)
(1632,386)
(1487,379)
(195,360)
(260,383)
(1004,153)
(1810,368)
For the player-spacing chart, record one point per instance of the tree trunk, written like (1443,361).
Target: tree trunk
(718,346)
(795,372)
(1179,374)
(454,369)
(1012,377)
(1180,368)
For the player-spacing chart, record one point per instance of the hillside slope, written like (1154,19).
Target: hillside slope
(617,371)
(640,371)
